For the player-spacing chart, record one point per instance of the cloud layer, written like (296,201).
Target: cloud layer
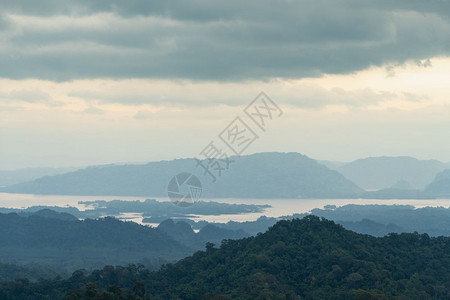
(87,82)
(224,40)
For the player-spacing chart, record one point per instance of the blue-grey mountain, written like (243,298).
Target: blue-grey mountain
(440,187)
(376,173)
(262,175)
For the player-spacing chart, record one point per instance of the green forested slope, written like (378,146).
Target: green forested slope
(307,258)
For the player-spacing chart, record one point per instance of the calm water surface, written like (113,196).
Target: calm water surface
(280,207)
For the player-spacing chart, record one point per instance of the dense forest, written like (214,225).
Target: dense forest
(309,258)
(62,243)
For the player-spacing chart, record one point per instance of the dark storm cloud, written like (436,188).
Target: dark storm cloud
(223,40)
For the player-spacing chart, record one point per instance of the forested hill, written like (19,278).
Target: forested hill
(67,245)
(62,243)
(309,258)
(262,175)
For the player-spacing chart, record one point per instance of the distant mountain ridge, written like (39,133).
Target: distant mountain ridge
(10,177)
(440,187)
(375,173)
(262,175)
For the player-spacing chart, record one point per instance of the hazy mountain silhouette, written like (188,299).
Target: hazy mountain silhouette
(262,175)
(440,187)
(10,177)
(375,173)
(333,165)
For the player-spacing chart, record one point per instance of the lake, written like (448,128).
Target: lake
(280,207)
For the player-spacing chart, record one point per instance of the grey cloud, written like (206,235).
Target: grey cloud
(203,10)
(137,98)
(426,63)
(5,108)
(143,115)
(317,97)
(415,98)
(440,7)
(306,97)
(31,95)
(28,95)
(221,40)
(94,110)
(3,22)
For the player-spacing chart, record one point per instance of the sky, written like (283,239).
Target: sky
(97,82)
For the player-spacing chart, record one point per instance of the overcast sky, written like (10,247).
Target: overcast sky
(135,81)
